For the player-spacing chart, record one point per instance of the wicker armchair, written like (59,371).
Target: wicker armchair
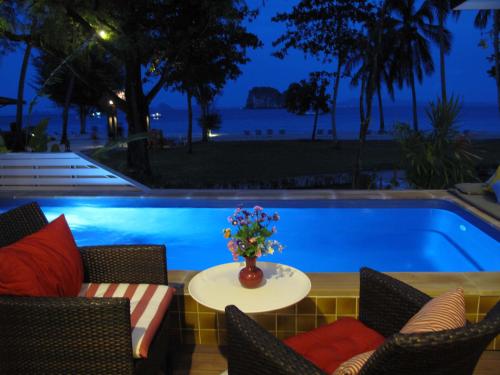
(72,335)
(385,305)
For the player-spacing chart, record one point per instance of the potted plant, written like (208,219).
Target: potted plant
(250,239)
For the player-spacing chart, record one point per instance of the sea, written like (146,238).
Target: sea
(479,121)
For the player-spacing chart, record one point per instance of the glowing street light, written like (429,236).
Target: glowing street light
(111,102)
(103,34)
(120,94)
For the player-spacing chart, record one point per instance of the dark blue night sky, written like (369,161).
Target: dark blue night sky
(466,67)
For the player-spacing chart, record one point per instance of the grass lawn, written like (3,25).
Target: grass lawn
(239,164)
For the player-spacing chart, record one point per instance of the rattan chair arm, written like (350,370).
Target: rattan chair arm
(137,264)
(448,352)
(253,350)
(65,335)
(386,304)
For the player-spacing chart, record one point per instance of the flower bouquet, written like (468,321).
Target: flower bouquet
(250,240)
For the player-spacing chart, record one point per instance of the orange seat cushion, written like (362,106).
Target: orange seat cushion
(330,345)
(46,263)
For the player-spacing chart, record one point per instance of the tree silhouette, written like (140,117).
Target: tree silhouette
(481,22)
(136,36)
(443,8)
(387,71)
(414,26)
(209,43)
(97,71)
(309,95)
(18,25)
(326,30)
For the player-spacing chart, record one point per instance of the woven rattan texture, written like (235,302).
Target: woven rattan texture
(252,350)
(125,264)
(20,222)
(65,336)
(79,335)
(386,304)
(451,352)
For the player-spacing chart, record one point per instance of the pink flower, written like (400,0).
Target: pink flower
(257,208)
(232,246)
(258,253)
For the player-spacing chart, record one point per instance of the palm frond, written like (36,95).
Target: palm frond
(482,18)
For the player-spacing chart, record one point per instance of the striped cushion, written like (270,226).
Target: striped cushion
(444,312)
(148,305)
(353,366)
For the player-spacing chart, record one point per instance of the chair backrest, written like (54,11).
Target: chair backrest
(385,303)
(253,350)
(449,352)
(21,222)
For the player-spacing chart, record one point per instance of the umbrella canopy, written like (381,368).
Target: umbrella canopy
(478,4)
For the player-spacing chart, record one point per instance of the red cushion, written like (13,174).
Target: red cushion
(330,345)
(45,263)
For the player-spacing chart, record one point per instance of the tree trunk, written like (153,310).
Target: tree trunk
(441,56)
(366,98)
(83,119)
(204,113)
(333,109)
(190,123)
(137,111)
(65,114)
(365,114)
(315,125)
(496,48)
(414,99)
(359,152)
(19,140)
(381,129)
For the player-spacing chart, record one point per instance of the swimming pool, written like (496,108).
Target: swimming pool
(320,236)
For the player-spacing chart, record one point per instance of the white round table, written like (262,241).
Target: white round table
(219,286)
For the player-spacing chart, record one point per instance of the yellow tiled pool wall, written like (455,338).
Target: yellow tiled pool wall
(333,296)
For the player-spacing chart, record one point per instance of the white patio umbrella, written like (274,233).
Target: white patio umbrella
(478,4)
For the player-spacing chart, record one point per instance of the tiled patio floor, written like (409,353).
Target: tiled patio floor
(208,360)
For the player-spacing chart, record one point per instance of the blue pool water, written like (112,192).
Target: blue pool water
(320,236)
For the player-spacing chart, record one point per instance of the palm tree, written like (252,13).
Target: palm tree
(413,30)
(370,46)
(481,21)
(442,8)
(386,72)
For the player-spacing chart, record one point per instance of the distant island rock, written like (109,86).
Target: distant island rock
(265,98)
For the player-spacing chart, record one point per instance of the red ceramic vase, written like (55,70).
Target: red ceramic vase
(251,276)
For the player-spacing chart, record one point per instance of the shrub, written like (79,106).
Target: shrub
(440,158)
(38,138)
